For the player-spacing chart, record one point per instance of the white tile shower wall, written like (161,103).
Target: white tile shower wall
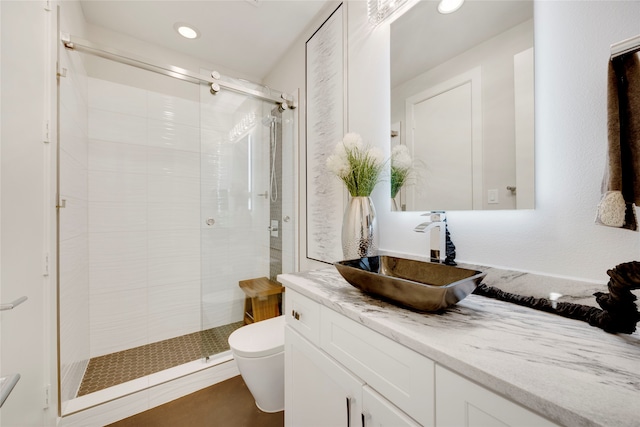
(149,185)
(171,307)
(74,242)
(144,209)
(118,261)
(118,320)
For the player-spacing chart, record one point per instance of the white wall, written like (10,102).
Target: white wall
(28,331)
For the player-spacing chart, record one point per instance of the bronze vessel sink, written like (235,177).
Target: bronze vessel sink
(418,285)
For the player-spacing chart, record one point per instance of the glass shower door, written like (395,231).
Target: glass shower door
(245,206)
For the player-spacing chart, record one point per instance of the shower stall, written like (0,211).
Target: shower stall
(172,187)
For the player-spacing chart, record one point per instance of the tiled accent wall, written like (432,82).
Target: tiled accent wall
(275,243)
(74,240)
(144,215)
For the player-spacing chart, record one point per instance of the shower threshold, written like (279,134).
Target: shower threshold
(218,367)
(119,374)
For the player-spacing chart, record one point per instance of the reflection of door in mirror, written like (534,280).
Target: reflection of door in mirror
(445,137)
(523,91)
(485,160)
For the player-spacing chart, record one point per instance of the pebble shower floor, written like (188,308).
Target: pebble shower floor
(116,368)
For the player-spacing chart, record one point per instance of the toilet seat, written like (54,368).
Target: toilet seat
(259,339)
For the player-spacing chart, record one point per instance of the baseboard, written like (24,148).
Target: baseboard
(159,391)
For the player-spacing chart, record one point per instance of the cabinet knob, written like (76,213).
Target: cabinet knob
(295,314)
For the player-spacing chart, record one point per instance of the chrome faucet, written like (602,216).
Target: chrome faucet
(445,252)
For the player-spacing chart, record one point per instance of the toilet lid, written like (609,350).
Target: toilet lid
(259,339)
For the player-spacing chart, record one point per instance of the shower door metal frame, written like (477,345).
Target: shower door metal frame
(75,43)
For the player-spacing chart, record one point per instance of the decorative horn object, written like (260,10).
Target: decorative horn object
(619,312)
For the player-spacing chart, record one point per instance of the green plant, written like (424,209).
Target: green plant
(357,165)
(401,166)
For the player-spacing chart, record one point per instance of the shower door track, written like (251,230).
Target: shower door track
(80,45)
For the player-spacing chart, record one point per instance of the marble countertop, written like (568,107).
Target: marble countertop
(571,373)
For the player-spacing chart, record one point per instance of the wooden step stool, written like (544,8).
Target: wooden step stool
(263,299)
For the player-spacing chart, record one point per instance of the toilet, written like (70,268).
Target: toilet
(258,349)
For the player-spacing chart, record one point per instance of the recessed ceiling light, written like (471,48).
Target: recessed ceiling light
(449,6)
(186,30)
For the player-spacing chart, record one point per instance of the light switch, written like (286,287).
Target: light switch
(492,196)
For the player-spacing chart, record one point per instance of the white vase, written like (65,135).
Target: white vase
(359,229)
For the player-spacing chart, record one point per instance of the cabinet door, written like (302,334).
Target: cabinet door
(379,412)
(318,391)
(401,375)
(462,403)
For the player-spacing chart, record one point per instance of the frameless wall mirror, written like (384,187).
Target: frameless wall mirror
(462,105)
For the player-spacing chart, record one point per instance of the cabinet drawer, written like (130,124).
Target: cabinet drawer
(303,314)
(403,376)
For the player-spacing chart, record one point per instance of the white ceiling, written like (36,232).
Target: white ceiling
(235,34)
(250,36)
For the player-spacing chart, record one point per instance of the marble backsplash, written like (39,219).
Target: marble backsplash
(535,285)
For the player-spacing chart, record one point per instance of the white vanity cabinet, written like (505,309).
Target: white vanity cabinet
(462,403)
(340,373)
